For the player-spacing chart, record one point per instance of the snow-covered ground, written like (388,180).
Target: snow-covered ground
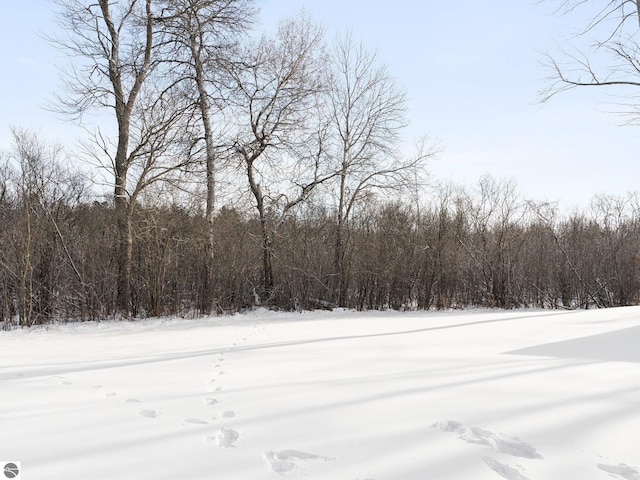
(548,395)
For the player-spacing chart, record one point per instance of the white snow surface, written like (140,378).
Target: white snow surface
(547,395)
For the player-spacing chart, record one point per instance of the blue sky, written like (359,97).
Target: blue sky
(472,71)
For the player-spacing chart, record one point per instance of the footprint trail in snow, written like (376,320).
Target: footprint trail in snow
(287,460)
(621,471)
(504,469)
(480,436)
(224,437)
(150,413)
(195,421)
(498,442)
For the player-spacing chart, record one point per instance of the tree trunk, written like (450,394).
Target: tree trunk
(124,106)
(25,305)
(267,246)
(207,299)
(124,247)
(338,257)
(267,255)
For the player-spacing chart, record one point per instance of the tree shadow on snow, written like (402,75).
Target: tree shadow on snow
(618,346)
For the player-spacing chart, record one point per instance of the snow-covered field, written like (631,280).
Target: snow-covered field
(547,395)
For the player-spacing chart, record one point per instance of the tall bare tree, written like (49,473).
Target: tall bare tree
(278,85)
(368,113)
(201,34)
(116,44)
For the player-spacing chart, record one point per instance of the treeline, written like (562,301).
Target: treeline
(480,247)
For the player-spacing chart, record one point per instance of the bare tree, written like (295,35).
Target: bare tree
(42,188)
(494,241)
(116,43)
(278,84)
(617,245)
(368,112)
(606,52)
(200,37)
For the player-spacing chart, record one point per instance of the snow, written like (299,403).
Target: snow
(327,395)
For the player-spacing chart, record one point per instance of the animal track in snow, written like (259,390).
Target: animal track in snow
(287,460)
(66,383)
(150,413)
(97,387)
(227,414)
(621,471)
(505,470)
(210,401)
(195,421)
(110,394)
(503,443)
(225,437)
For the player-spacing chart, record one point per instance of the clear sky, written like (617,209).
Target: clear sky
(472,71)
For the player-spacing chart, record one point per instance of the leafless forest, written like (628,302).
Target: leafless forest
(246,170)
(482,247)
